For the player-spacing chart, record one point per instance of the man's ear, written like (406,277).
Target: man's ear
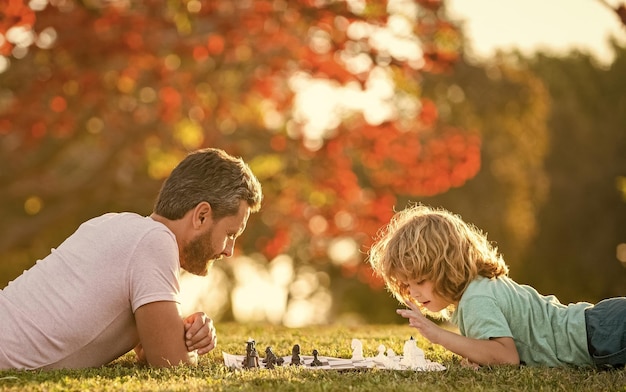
(202,214)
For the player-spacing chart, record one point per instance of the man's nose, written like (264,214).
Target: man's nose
(229,248)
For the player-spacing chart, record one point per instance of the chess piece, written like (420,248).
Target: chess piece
(268,354)
(419,359)
(357,350)
(413,356)
(407,352)
(380,358)
(295,355)
(381,351)
(251,361)
(316,361)
(270,359)
(392,361)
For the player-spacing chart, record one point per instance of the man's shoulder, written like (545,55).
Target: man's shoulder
(116,217)
(125,221)
(125,228)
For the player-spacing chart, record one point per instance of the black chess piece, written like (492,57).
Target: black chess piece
(270,358)
(280,361)
(316,361)
(295,355)
(251,361)
(270,363)
(268,354)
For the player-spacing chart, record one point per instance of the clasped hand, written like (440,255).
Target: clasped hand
(199,333)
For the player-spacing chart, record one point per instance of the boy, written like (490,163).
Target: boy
(433,260)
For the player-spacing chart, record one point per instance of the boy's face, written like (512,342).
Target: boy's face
(424,293)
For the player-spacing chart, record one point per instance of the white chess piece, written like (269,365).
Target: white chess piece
(406,352)
(413,356)
(419,359)
(357,350)
(391,361)
(380,357)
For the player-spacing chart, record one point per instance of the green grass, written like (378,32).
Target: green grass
(211,374)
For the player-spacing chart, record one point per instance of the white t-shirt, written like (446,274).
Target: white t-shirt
(75,308)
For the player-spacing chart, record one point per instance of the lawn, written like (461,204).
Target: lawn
(211,374)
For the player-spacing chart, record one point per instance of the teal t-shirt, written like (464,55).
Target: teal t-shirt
(545,331)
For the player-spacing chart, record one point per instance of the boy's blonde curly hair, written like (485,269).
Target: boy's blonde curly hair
(424,243)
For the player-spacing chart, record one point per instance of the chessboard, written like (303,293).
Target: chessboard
(235,362)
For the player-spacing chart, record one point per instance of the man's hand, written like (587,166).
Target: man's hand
(199,333)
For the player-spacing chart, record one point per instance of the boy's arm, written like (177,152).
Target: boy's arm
(162,335)
(494,351)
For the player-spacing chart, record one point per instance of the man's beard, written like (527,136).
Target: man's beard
(199,255)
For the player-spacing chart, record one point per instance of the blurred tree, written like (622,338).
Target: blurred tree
(551,192)
(344,109)
(510,107)
(102,99)
(584,219)
(619,9)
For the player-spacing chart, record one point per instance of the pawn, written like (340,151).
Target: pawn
(391,361)
(381,351)
(316,361)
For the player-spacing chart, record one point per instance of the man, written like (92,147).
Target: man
(113,285)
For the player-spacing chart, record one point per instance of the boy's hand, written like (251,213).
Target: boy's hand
(477,351)
(199,333)
(427,328)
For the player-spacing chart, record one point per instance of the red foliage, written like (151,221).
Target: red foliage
(15,13)
(135,71)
